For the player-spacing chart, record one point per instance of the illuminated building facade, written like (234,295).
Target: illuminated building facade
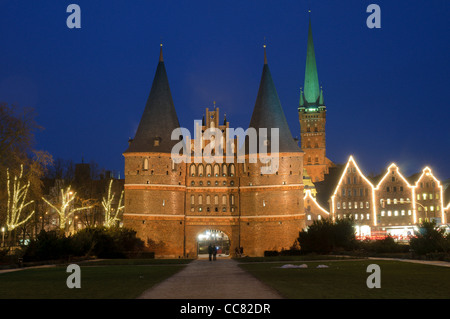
(393,205)
(177,208)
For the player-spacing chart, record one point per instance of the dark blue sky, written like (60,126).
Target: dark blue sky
(386,90)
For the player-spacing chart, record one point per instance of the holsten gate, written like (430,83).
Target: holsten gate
(237,202)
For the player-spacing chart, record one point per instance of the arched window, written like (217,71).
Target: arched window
(192,199)
(232,170)
(224,170)
(192,170)
(216,200)
(232,200)
(200,199)
(145,164)
(216,170)
(224,199)
(200,170)
(208,200)
(208,170)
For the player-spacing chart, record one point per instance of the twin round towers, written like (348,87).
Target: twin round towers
(170,204)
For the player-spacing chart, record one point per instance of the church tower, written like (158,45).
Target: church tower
(312,116)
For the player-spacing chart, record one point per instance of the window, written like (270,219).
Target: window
(309,217)
(343,205)
(200,170)
(349,205)
(389,213)
(388,201)
(208,200)
(338,205)
(395,189)
(395,201)
(367,216)
(424,195)
(192,199)
(216,170)
(216,200)
(232,170)
(396,213)
(200,199)
(145,164)
(431,196)
(192,170)
(224,169)
(388,189)
(343,192)
(409,212)
(208,170)
(382,213)
(367,205)
(361,205)
(403,212)
(401,188)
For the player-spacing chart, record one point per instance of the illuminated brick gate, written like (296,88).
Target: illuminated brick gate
(169,204)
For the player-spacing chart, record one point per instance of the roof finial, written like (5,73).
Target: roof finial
(161,53)
(265,55)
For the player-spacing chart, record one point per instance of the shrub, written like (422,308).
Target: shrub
(96,241)
(386,245)
(48,246)
(325,236)
(430,239)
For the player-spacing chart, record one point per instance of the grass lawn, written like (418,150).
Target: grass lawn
(347,279)
(108,279)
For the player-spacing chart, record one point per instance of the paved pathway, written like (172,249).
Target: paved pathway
(204,279)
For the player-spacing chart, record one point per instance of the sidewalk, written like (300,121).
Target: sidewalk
(204,279)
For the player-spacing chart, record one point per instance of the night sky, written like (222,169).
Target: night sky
(386,90)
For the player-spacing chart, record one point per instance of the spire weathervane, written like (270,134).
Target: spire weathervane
(265,55)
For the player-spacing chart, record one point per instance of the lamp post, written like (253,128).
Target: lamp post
(3,236)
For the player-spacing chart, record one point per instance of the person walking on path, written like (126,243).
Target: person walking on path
(210,251)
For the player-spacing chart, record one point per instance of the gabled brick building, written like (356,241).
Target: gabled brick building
(394,206)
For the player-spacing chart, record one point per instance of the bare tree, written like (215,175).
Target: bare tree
(65,208)
(111,213)
(17,203)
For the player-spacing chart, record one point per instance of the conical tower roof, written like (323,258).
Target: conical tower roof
(311,86)
(268,113)
(159,118)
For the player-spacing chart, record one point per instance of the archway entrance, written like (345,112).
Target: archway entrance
(215,237)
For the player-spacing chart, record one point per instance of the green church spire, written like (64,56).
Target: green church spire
(311,87)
